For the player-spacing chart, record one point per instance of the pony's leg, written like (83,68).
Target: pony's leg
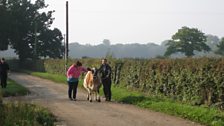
(90,96)
(87,96)
(98,95)
(95,95)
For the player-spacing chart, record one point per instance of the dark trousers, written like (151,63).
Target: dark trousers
(107,88)
(72,89)
(3,78)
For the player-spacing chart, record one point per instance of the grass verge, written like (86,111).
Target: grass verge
(22,114)
(200,114)
(53,77)
(14,89)
(203,115)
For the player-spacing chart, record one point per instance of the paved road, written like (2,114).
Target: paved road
(83,113)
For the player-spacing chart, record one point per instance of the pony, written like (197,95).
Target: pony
(92,84)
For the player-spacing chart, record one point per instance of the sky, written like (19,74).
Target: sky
(136,21)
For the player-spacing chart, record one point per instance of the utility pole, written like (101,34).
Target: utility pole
(65,54)
(66,45)
(35,40)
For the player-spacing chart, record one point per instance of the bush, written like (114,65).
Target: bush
(19,114)
(195,80)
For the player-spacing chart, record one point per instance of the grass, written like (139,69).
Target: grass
(14,89)
(22,114)
(53,77)
(203,115)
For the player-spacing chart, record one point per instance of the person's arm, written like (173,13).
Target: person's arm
(84,69)
(101,69)
(108,71)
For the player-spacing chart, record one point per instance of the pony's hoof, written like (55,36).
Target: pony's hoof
(99,100)
(90,100)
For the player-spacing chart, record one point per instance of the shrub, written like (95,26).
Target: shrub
(20,114)
(194,80)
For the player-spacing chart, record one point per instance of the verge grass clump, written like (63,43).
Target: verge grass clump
(201,114)
(23,114)
(14,89)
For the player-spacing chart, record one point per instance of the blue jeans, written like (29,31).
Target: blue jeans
(72,88)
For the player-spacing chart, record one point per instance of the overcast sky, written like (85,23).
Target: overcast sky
(136,21)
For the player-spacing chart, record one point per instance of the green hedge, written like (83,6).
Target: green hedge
(194,80)
(200,81)
(34,65)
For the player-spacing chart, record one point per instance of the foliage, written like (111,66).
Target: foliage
(186,40)
(220,46)
(55,77)
(197,81)
(14,89)
(106,42)
(59,79)
(25,27)
(212,41)
(193,80)
(148,50)
(20,114)
(204,115)
(52,46)
(4,26)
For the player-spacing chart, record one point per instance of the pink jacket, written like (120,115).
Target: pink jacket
(75,72)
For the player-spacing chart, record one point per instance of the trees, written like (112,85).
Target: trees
(28,30)
(4,27)
(52,44)
(220,46)
(186,40)
(212,41)
(106,42)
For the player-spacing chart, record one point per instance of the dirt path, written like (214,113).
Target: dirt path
(83,113)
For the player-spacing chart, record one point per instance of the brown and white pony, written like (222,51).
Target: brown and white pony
(92,84)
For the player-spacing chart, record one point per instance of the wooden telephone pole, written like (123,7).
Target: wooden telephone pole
(66,43)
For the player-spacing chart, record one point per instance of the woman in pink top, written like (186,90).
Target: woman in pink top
(73,74)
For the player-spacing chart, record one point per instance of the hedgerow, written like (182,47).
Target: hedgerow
(195,80)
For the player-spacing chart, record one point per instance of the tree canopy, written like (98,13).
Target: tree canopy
(27,30)
(4,27)
(187,40)
(220,46)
